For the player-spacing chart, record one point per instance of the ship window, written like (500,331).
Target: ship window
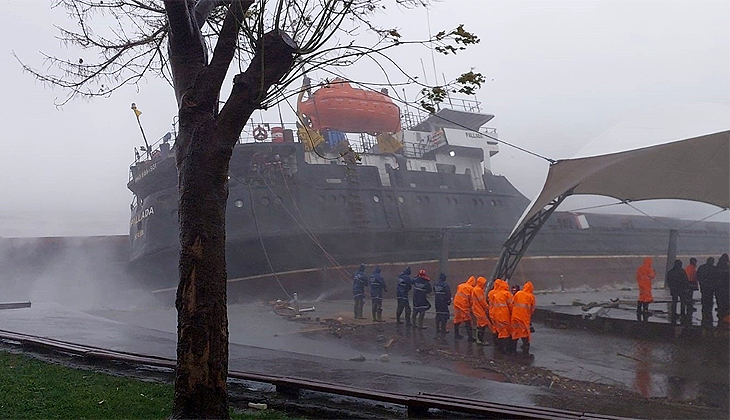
(481,202)
(238,203)
(452,153)
(418,200)
(265,201)
(448,200)
(427,200)
(475,201)
(342,198)
(413,185)
(456,201)
(401,199)
(494,203)
(322,199)
(376,198)
(499,202)
(423,169)
(333,198)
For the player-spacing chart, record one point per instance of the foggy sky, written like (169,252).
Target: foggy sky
(559,74)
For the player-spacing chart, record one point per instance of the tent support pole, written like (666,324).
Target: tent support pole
(516,245)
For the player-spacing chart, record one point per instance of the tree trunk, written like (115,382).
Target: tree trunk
(202,347)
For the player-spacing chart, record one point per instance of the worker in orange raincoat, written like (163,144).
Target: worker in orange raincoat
(644,277)
(480,309)
(490,304)
(462,308)
(500,309)
(523,307)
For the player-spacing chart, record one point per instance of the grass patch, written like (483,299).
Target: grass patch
(33,389)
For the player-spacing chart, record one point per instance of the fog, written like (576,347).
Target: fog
(558,75)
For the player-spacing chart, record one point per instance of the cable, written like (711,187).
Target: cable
(332,260)
(522,149)
(596,207)
(702,220)
(310,235)
(647,214)
(261,239)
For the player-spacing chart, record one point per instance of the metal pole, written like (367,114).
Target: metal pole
(444,261)
(671,252)
(139,123)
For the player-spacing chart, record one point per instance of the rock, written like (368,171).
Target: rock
(384,357)
(360,358)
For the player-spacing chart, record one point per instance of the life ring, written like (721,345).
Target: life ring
(260,134)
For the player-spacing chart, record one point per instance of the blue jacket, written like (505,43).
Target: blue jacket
(421,289)
(403,286)
(442,293)
(377,285)
(359,281)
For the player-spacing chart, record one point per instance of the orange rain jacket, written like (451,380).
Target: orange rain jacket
(691,271)
(462,301)
(500,307)
(644,276)
(479,306)
(523,307)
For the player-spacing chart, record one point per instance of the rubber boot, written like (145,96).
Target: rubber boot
(375,315)
(380,316)
(526,349)
(414,319)
(480,336)
(495,339)
(470,333)
(513,346)
(420,320)
(457,336)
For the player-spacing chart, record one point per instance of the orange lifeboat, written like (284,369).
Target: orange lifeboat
(341,107)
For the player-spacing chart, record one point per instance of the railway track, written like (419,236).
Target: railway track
(417,405)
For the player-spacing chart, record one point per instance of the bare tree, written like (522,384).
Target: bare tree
(193,44)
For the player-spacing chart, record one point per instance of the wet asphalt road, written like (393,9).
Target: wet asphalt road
(264,342)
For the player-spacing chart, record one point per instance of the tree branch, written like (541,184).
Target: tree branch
(273,59)
(225,48)
(202,10)
(186,47)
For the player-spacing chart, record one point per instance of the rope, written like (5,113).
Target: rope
(597,207)
(261,239)
(310,231)
(310,235)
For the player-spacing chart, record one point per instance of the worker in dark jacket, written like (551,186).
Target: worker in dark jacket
(708,288)
(722,280)
(442,300)
(359,281)
(678,286)
(403,287)
(421,289)
(377,287)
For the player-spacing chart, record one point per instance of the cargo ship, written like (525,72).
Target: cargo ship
(358,180)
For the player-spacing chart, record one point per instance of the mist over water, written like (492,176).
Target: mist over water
(80,273)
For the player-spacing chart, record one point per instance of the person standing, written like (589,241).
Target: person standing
(501,308)
(462,308)
(421,289)
(359,281)
(522,309)
(377,287)
(691,271)
(722,282)
(678,286)
(708,289)
(644,277)
(480,309)
(442,300)
(403,287)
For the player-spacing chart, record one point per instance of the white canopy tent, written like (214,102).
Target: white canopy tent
(695,168)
